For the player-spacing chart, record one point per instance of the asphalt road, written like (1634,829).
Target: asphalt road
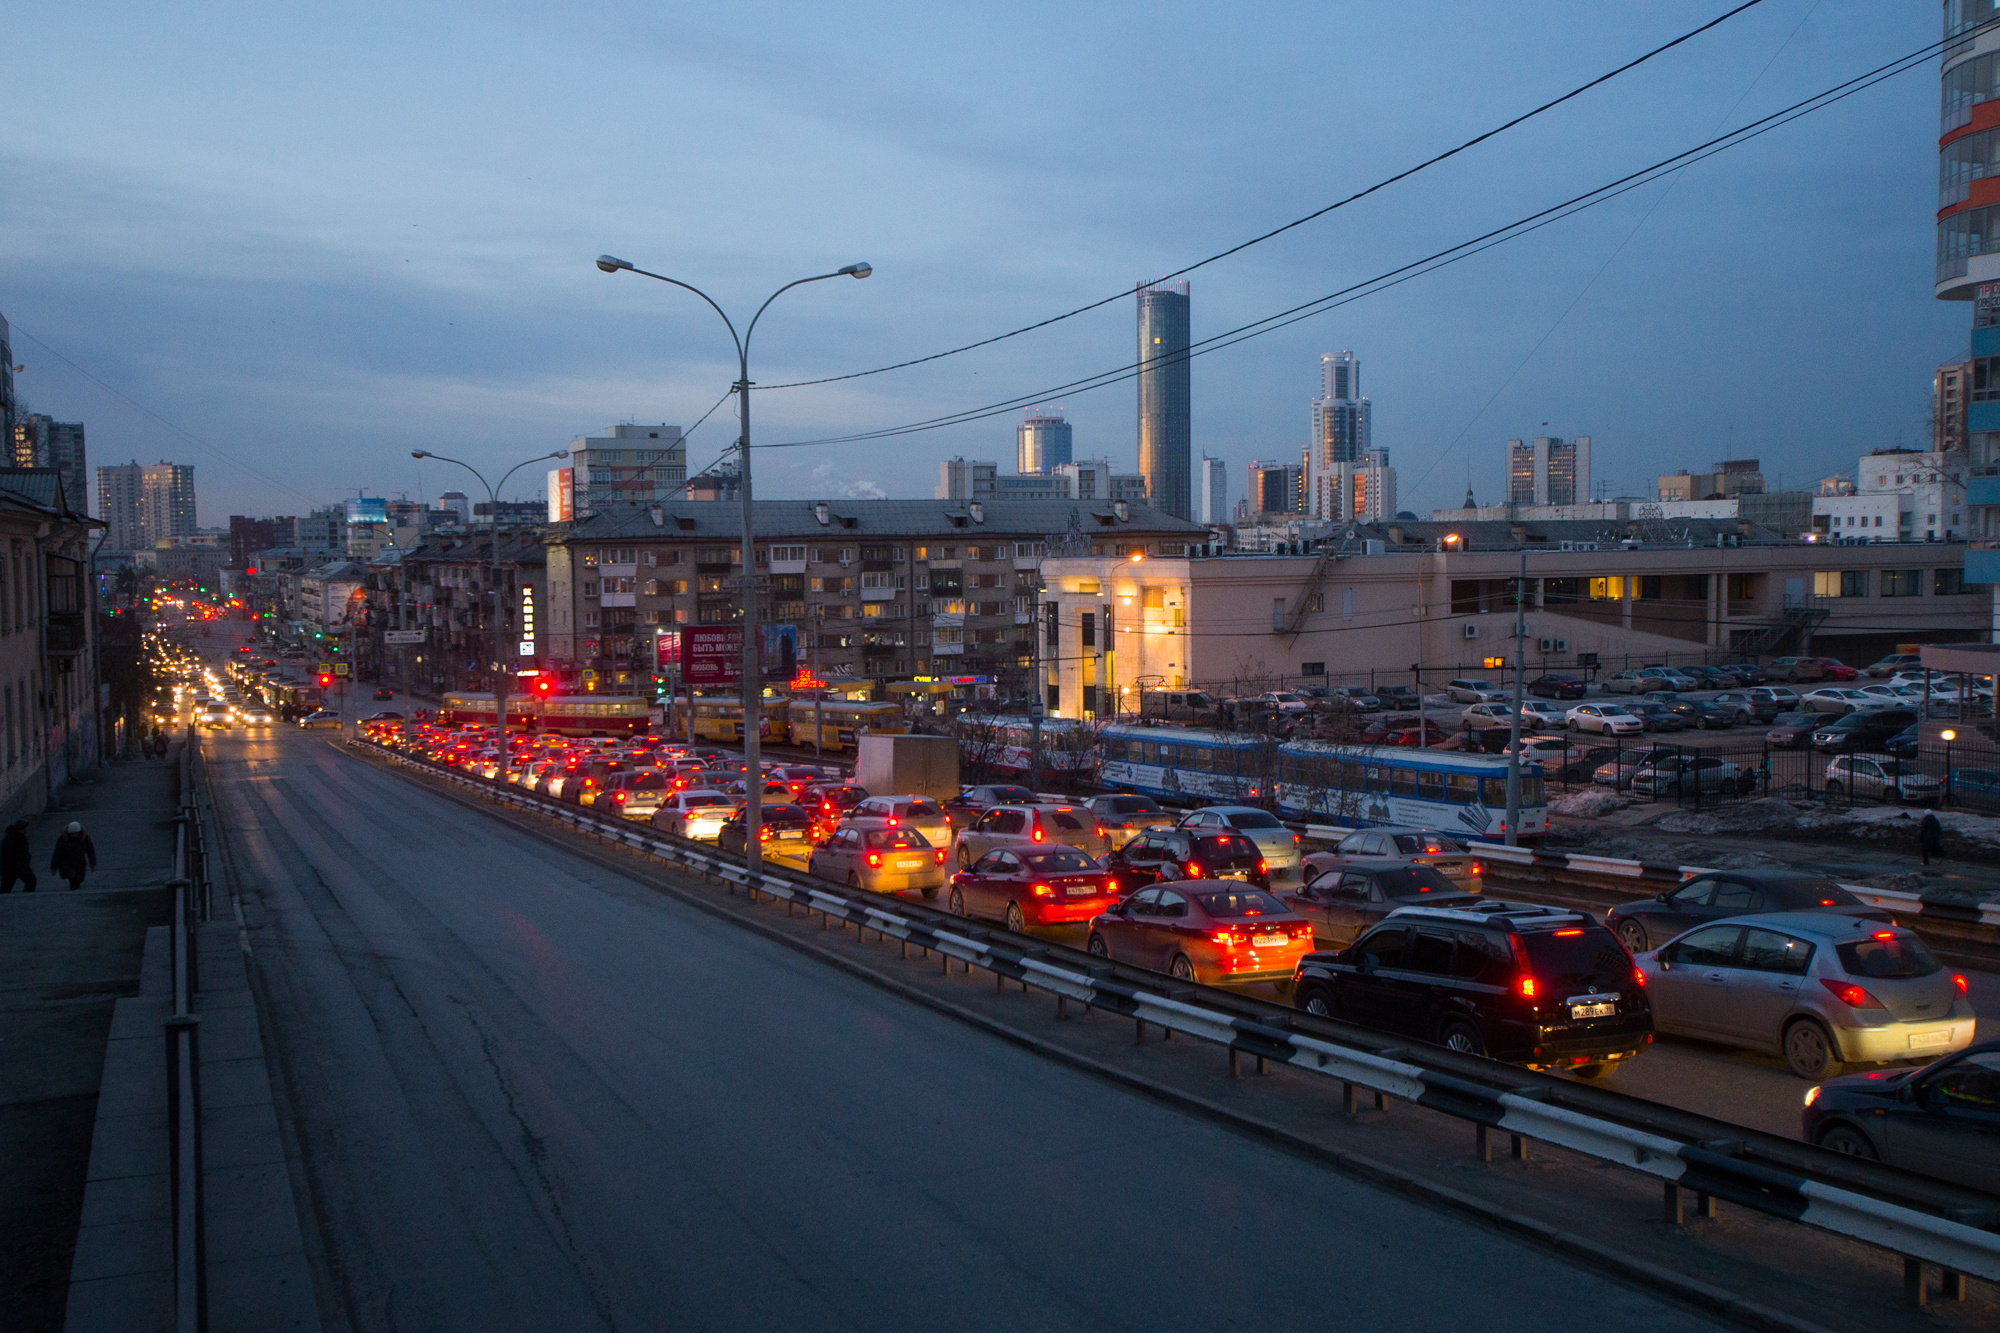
(529,1093)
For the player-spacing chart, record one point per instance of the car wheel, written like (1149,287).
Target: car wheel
(1315,1001)
(1015,922)
(1181,969)
(1633,935)
(1810,1051)
(853,880)
(964,858)
(1591,1071)
(1097,946)
(1833,787)
(956,904)
(930,893)
(1462,1038)
(1848,1141)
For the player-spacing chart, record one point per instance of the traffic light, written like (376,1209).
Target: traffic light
(544,687)
(325,679)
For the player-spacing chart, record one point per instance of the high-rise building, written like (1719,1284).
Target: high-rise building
(1949,400)
(1968,260)
(1548,471)
(118,491)
(1042,442)
(1166,452)
(1276,488)
(627,465)
(144,505)
(6,381)
(1342,431)
(1214,490)
(41,441)
(1362,491)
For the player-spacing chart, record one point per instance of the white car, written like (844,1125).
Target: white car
(1836,699)
(320,719)
(698,814)
(1488,715)
(1606,719)
(1675,775)
(257,716)
(1895,694)
(1534,749)
(1543,713)
(1472,690)
(1879,776)
(1284,701)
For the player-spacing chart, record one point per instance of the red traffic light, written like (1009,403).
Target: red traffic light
(545,687)
(325,680)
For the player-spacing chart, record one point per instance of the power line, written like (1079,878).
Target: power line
(1241,246)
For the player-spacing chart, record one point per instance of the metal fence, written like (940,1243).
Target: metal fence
(193,903)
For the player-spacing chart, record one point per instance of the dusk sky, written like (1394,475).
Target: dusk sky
(306,239)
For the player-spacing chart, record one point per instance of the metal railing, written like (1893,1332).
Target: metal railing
(1924,1221)
(192,905)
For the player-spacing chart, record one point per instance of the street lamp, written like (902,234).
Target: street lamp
(499,596)
(752,692)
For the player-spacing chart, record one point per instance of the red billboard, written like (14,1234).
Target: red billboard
(712,655)
(667,650)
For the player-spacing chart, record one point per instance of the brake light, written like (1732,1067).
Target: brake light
(1111,886)
(1638,978)
(874,858)
(1432,848)
(1851,995)
(1568,932)
(1296,840)
(1884,935)
(618,798)
(1228,939)
(940,856)
(1038,830)
(764,833)
(1527,988)
(1958,980)
(1194,870)
(1262,865)
(1041,890)
(892,821)
(1478,869)
(1100,831)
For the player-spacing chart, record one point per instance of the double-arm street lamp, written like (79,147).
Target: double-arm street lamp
(500,654)
(753,688)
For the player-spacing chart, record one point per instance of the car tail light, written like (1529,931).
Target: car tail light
(1297,840)
(1884,935)
(1228,939)
(892,821)
(618,798)
(874,858)
(763,833)
(1101,833)
(1851,995)
(1303,931)
(1568,932)
(1194,870)
(1638,978)
(940,856)
(1041,890)
(1478,869)
(1958,980)
(1262,865)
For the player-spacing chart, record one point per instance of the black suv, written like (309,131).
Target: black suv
(1868,729)
(1530,985)
(1178,853)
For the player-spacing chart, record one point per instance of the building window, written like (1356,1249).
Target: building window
(1841,583)
(791,553)
(1611,589)
(1742,587)
(1902,582)
(1951,582)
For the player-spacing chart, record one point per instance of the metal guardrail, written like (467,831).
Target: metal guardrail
(1926,1222)
(192,904)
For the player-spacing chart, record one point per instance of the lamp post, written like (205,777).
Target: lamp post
(499,594)
(752,691)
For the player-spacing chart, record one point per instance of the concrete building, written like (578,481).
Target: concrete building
(144,505)
(1166,449)
(1900,495)
(459,503)
(629,465)
(1089,479)
(1950,396)
(49,723)
(444,587)
(42,441)
(7,405)
(1042,441)
(1276,488)
(1362,490)
(1212,497)
(1725,481)
(1342,432)
(1548,470)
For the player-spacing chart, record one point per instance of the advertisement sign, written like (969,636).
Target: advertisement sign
(667,650)
(712,654)
(401,636)
(562,494)
(368,509)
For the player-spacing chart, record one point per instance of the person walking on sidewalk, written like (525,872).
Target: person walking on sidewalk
(75,855)
(1930,837)
(16,861)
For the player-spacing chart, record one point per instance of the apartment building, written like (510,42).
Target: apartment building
(628,465)
(49,723)
(443,589)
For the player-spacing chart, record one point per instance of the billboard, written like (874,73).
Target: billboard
(368,509)
(667,650)
(562,494)
(712,654)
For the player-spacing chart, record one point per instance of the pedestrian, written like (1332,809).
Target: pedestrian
(16,862)
(75,855)
(1930,837)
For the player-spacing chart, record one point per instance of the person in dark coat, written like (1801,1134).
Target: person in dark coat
(16,862)
(1930,837)
(75,855)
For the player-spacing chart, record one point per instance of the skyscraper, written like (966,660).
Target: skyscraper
(6,382)
(118,490)
(1276,488)
(144,505)
(1548,471)
(1166,450)
(1342,432)
(1042,442)
(1214,490)
(40,441)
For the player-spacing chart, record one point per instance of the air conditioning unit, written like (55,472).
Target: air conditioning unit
(1555,645)
(1562,645)
(1548,645)
(1471,631)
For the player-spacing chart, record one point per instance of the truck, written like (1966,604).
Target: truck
(890,765)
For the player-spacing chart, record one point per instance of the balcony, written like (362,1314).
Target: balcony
(1982,490)
(66,637)
(1982,562)
(618,599)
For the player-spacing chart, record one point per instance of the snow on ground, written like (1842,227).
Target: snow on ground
(1588,803)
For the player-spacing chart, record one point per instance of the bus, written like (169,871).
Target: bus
(841,721)
(1184,765)
(719,717)
(594,714)
(1006,745)
(1357,785)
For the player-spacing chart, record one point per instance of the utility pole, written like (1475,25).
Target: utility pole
(1514,722)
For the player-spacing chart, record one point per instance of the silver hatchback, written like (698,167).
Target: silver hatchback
(1818,988)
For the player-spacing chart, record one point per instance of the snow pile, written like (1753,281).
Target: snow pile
(1588,803)
(1964,834)
(1764,814)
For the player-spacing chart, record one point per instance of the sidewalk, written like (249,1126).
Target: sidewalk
(65,958)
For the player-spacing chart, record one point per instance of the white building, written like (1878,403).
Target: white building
(1089,479)
(629,465)
(1212,490)
(1548,471)
(1364,490)
(1899,495)
(1342,431)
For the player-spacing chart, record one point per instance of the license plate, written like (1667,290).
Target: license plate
(1592,1010)
(790,833)
(1267,941)
(916,864)
(1235,874)
(1924,1040)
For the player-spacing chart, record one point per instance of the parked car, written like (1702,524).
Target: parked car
(1835,669)
(1746,707)
(1796,670)
(1682,774)
(1906,696)
(1748,672)
(1474,690)
(1869,729)
(1715,895)
(1976,787)
(1658,716)
(1894,662)
(1606,719)
(1215,934)
(1398,697)
(1628,681)
(1178,854)
(1834,699)
(1617,772)
(1284,701)
(698,814)
(1488,715)
(1820,989)
(1880,777)
(1904,744)
(1071,825)
(1793,731)
(1345,899)
(1712,678)
(1034,886)
(1355,699)
(871,855)
(1531,985)
(1539,713)
(1556,686)
(779,828)
(1942,1120)
(1278,845)
(1435,850)
(1579,763)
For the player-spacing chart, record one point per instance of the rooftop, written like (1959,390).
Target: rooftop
(779,519)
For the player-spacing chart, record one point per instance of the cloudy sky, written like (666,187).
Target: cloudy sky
(288,244)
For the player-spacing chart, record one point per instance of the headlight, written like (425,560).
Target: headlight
(1812,1094)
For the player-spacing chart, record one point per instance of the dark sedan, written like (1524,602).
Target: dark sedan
(1657,716)
(1652,922)
(1792,731)
(1398,697)
(1556,687)
(1866,730)
(1348,898)
(790,827)
(1942,1120)
(1177,854)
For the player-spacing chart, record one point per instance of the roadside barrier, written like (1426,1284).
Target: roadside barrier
(193,901)
(1926,1222)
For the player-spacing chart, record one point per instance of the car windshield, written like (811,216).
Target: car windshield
(648,782)
(1586,956)
(1897,957)
(696,802)
(1244,902)
(1253,819)
(1060,860)
(1430,844)
(923,810)
(1134,805)
(1792,719)
(786,814)
(895,839)
(1224,844)
(1011,795)
(1414,882)
(1613,710)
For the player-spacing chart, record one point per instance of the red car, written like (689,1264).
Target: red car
(1211,933)
(1026,885)
(1835,669)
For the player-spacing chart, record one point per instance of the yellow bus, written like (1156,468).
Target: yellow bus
(593,714)
(841,720)
(719,717)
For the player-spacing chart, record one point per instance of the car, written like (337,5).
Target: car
(1904,744)
(1682,774)
(1748,673)
(1540,713)
(1705,716)
(1126,817)
(1880,777)
(1820,989)
(386,715)
(1577,763)
(832,799)
(1746,707)
(699,813)
(1278,845)
(1211,933)
(1345,899)
(1025,885)
(1712,677)
(1355,699)
(636,794)
(1834,699)
(1796,670)
(1185,854)
(220,721)
(1941,1120)
(1906,696)
(385,693)
(1488,715)
(1628,681)
(1284,701)
(921,813)
(973,799)
(1534,986)
(1556,686)
(1658,716)
(873,855)
(1793,731)
(1869,729)
(1618,771)
(322,718)
(784,827)
(1070,825)
(1715,894)
(259,716)
(1606,719)
(1472,690)
(1537,749)
(1836,669)
(1399,697)
(1895,662)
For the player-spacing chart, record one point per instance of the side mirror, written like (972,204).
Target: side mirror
(1911,1093)
(1363,963)
(1662,897)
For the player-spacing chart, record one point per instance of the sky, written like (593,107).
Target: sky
(290,244)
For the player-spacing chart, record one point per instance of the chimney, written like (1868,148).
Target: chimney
(659,516)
